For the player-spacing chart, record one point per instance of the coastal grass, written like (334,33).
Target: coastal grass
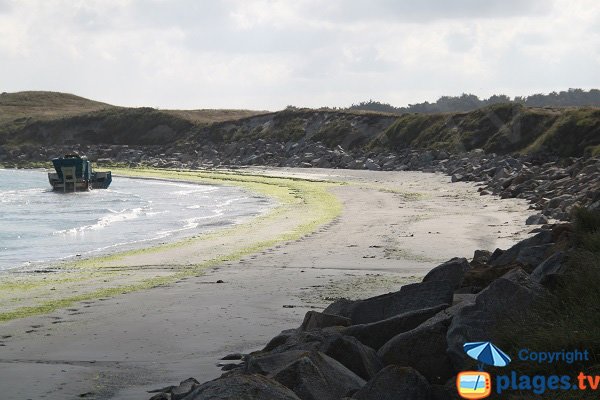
(568,321)
(310,198)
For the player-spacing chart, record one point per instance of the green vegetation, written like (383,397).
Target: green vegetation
(571,320)
(44,105)
(111,125)
(44,118)
(470,102)
(19,110)
(575,132)
(210,116)
(501,128)
(51,117)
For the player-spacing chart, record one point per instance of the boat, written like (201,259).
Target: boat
(74,174)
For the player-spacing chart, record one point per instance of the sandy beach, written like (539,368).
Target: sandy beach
(118,326)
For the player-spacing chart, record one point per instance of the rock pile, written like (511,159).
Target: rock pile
(552,186)
(401,345)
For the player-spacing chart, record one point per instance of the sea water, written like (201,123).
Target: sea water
(39,226)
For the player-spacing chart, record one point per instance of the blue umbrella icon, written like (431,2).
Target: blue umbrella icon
(487,354)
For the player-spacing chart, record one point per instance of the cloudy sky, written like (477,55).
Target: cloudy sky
(270,54)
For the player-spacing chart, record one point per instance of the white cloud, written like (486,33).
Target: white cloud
(268,54)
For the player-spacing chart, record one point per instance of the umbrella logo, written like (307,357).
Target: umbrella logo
(478,384)
(486,354)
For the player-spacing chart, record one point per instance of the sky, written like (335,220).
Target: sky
(267,55)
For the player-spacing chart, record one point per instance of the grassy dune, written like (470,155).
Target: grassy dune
(36,117)
(502,128)
(56,118)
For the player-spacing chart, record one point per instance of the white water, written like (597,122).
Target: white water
(39,226)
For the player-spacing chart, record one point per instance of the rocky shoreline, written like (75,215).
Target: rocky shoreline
(405,344)
(553,186)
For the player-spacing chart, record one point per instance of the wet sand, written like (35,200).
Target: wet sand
(393,228)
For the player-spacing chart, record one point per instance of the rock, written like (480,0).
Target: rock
(557,201)
(534,255)
(495,255)
(317,320)
(444,392)
(480,276)
(481,257)
(452,271)
(394,383)
(537,219)
(166,389)
(389,165)
(339,307)
(270,363)
(416,296)
(457,178)
(294,339)
(549,268)
(508,297)
(160,396)
(371,165)
(316,376)
(241,386)
(349,351)
(233,356)
(462,297)
(376,334)
(427,157)
(230,367)
(358,358)
(185,387)
(510,256)
(175,392)
(424,347)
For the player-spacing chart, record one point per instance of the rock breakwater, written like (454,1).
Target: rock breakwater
(404,344)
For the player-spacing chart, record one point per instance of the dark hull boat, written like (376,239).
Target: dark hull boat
(75,174)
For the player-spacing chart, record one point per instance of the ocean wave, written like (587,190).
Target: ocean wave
(106,220)
(16,195)
(229,202)
(191,223)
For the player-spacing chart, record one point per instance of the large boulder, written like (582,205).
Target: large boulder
(358,358)
(241,386)
(534,255)
(424,347)
(175,392)
(270,363)
(452,270)
(550,268)
(317,320)
(295,339)
(316,376)
(536,219)
(481,257)
(349,351)
(522,249)
(184,388)
(376,334)
(393,383)
(416,296)
(508,298)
